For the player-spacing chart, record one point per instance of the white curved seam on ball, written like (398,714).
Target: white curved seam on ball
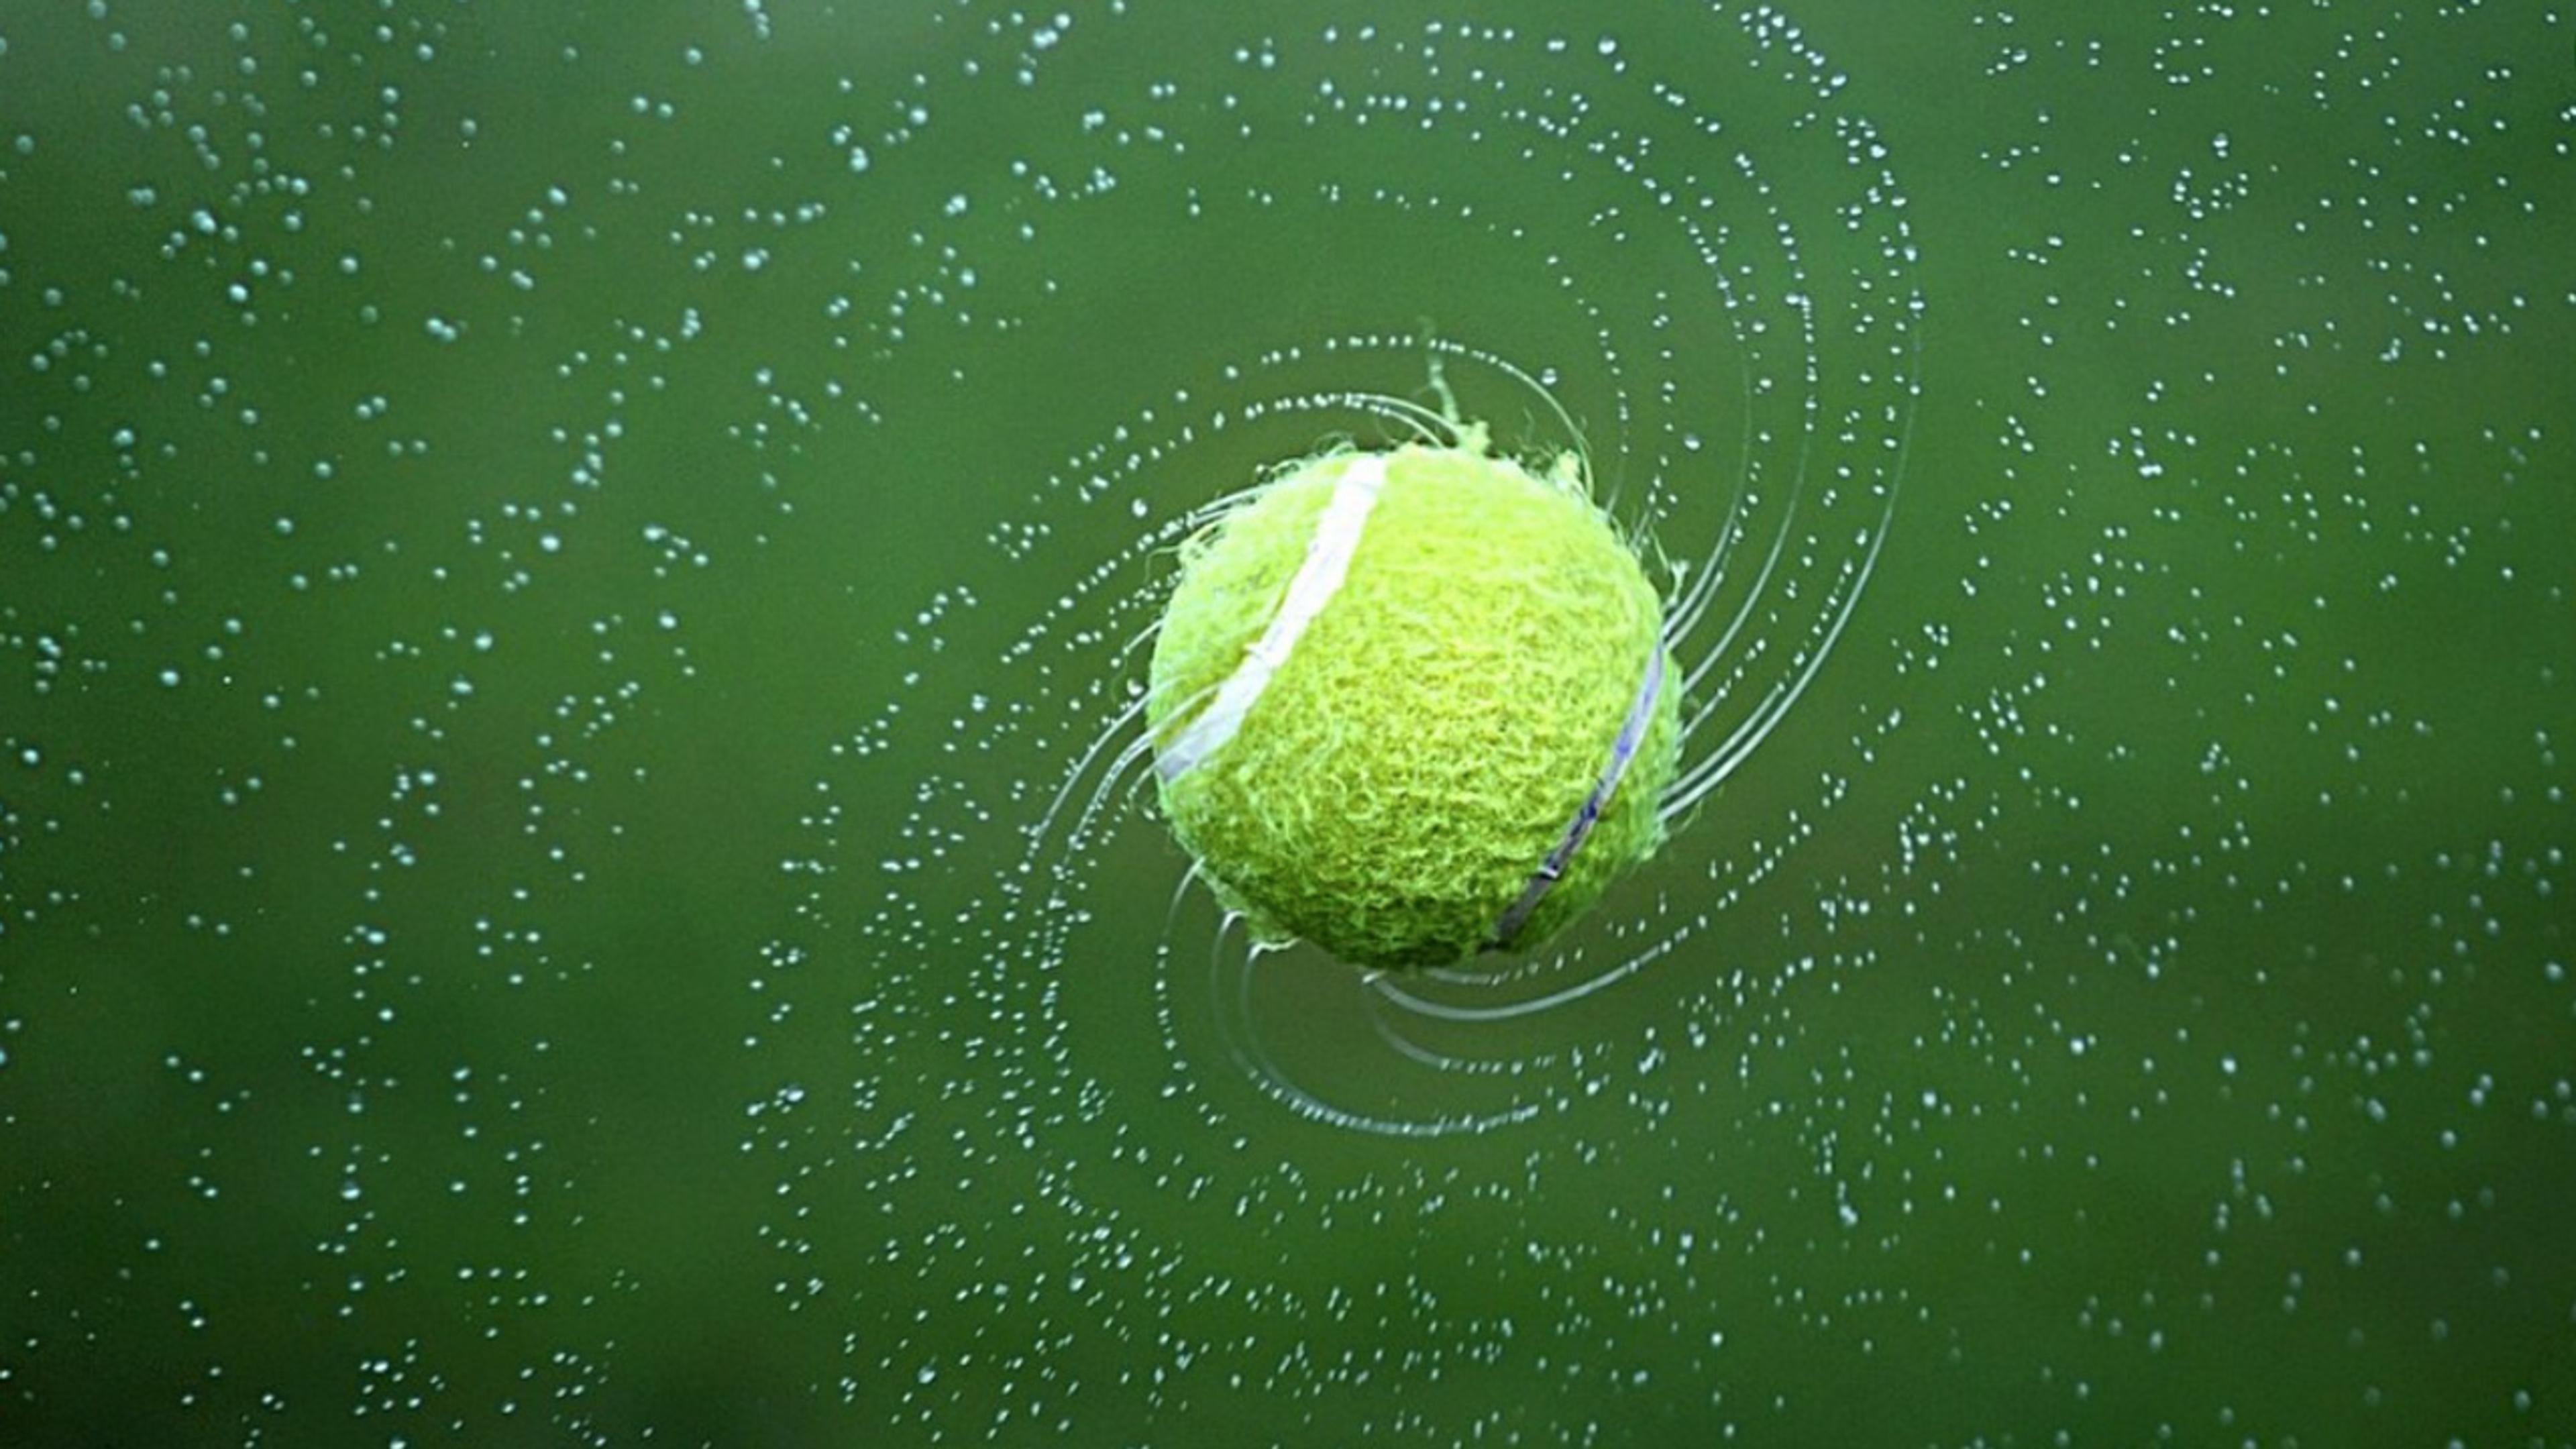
(1623,751)
(1319,577)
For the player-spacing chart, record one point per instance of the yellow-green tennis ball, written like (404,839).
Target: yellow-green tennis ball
(1413,705)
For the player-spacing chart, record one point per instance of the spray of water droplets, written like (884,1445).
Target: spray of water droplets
(575,585)
(999,967)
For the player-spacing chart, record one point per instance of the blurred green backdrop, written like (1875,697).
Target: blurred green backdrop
(555,559)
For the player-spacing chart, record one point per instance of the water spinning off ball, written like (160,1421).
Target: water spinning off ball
(1413,705)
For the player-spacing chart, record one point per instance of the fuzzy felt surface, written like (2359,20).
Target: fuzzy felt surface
(1438,723)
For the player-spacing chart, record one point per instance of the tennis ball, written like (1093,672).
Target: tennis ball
(1413,705)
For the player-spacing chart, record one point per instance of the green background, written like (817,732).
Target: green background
(557,561)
